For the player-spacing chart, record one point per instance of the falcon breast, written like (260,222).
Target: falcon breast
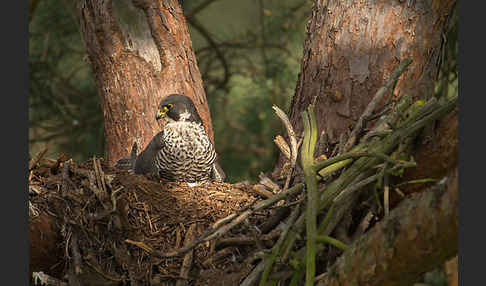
(186,154)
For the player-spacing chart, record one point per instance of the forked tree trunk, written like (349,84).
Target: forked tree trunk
(140,52)
(351,49)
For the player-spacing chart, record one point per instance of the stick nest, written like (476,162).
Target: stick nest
(112,223)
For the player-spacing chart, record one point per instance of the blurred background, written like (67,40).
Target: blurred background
(248,52)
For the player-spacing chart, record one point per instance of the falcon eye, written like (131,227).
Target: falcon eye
(168,106)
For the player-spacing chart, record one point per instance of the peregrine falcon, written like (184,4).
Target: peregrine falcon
(182,151)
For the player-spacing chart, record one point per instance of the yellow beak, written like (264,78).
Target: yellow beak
(160,114)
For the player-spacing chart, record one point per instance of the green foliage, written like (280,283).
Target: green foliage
(64,111)
(263,60)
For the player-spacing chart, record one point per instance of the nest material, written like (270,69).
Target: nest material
(112,221)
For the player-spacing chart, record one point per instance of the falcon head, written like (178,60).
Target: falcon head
(178,107)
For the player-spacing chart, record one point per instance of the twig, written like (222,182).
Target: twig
(76,254)
(245,240)
(293,142)
(321,276)
(64,179)
(386,198)
(254,275)
(297,277)
(219,255)
(100,179)
(260,190)
(277,216)
(91,262)
(44,279)
(354,187)
(98,189)
(255,232)
(187,262)
(378,97)
(276,248)
(204,32)
(418,181)
(226,224)
(36,159)
(326,220)
(140,244)
(353,155)
(332,241)
(267,182)
(33,210)
(198,8)
(364,224)
(283,146)
(429,112)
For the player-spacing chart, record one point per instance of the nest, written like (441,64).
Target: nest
(120,228)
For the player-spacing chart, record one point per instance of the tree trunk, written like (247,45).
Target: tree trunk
(352,48)
(140,52)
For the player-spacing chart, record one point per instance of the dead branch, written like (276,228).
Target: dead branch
(37,157)
(187,262)
(40,278)
(245,240)
(293,142)
(219,255)
(267,182)
(261,191)
(380,94)
(282,146)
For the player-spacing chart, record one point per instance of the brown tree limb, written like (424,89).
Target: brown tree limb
(422,231)
(198,8)
(205,33)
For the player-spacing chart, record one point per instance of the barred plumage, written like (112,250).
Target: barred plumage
(187,153)
(182,151)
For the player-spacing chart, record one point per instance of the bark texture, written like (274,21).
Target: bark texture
(352,48)
(140,52)
(421,233)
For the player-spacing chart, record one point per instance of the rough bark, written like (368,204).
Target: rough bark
(403,246)
(140,51)
(352,48)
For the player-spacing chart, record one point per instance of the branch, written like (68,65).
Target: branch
(189,15)
(293,142)
(380,94)
(202,30)
(431,230)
